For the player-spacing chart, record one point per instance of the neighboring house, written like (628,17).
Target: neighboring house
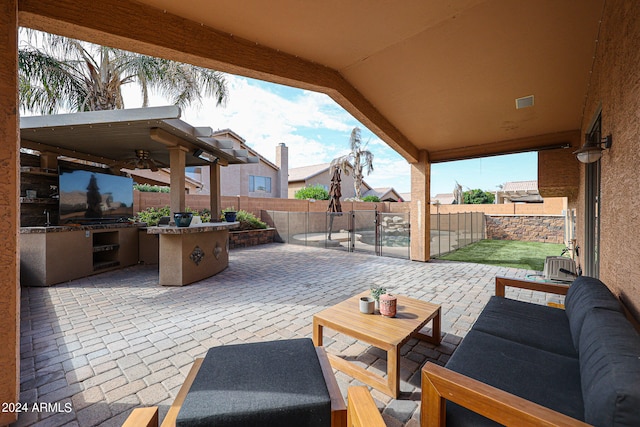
(308,176)
(443,199)
(519,192)
(162,177)
(385,194)
(259,179)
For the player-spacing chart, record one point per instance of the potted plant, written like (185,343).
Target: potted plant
(229,214)
(376,291)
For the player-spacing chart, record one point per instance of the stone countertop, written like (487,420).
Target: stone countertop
(199,228)
(78,227)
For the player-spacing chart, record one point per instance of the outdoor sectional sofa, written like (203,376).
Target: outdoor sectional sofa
(530,364)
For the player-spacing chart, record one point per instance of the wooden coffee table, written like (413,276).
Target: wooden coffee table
(386,333)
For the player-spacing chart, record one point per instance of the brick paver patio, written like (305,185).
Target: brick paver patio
(96,348)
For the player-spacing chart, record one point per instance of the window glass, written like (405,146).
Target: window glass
(260,183)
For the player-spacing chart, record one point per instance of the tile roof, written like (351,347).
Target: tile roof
(304,172)
(443,198)
(528,186)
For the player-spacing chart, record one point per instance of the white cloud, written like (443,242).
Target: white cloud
(311,124)
(388,172)
(264,119)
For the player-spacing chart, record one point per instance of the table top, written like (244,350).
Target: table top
(345,317)
(195,228)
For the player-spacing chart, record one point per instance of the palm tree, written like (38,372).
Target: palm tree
(358,159)
(57,73)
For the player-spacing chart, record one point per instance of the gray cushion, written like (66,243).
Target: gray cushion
(267,384)
(536,325)
(610,369)
(584,294)
(549,379)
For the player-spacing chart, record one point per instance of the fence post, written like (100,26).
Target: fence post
(439,233)
(352,232)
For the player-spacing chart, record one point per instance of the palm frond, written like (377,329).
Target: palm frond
(77,75)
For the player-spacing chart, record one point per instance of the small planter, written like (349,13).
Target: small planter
(183,219)
(366,305)
(388,305)
(230,216)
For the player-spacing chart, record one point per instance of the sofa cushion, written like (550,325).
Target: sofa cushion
(549,379)
(536,325)
(610,369)
(274,383)
(584,294)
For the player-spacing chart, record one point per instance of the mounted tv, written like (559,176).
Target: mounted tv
(94,198)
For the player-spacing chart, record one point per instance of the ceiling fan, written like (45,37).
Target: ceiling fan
(142,160)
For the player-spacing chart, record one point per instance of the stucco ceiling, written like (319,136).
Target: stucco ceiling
(444,74)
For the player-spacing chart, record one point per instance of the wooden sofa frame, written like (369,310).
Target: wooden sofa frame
(361,409)
(440,384)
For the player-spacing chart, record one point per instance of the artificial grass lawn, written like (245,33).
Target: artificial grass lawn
(506,253)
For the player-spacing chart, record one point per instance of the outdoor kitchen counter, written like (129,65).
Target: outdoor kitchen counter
(190,254)
(66,228)
(56,254)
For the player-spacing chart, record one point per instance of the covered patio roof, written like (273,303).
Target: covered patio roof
(112,137)
(425,75)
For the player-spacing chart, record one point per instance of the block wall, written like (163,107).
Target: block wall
(530,228)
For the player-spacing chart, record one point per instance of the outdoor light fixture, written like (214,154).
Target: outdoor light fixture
(591,151)
(201,154)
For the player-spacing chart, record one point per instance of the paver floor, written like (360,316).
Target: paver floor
(95,348)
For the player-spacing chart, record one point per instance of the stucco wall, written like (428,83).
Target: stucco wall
(234,179)
(324,179)
(615,85)
(9,211)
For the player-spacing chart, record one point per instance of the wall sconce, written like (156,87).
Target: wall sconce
(591,151)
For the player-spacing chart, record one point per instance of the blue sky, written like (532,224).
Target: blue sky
(317,130)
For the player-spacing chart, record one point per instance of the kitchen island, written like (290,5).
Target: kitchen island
(190,254)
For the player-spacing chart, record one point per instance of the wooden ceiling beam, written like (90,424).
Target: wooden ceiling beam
(136,27)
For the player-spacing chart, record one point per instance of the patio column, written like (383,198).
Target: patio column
(177,163)
(421,208)
(9,209)
(214,191)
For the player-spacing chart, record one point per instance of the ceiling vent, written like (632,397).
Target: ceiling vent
(524,102)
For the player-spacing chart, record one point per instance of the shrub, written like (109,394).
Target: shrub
(317,192)
(249,221)
(371,198)
(204,214)
(151,216)
(478,197)
(147,188)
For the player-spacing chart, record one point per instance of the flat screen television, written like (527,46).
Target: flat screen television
(93,198)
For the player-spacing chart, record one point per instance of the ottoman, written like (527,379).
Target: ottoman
(274,383)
